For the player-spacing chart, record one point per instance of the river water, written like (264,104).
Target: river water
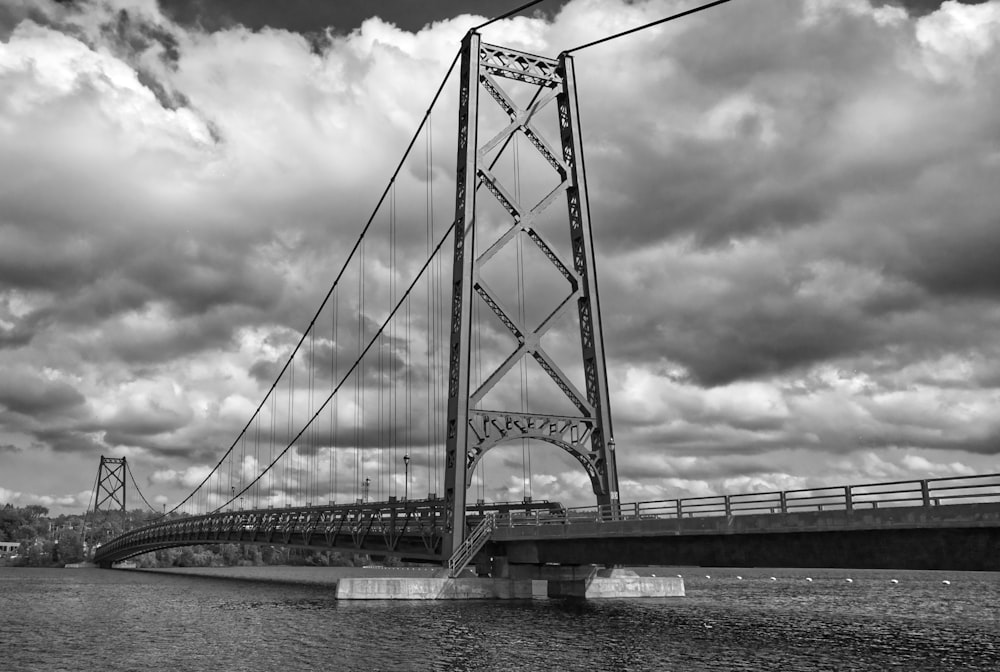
(81,620)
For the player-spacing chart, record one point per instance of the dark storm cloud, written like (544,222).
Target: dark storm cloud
(886,184)
(30,395)
(174,337)
(192,278)
(956,264)
(197,280)
(757,155)
(128,36)
(330,363)
(69,440)
(713,441)
(698,469)
(130,39)
(711,194)
(37,259)
(200,448)
(386,355)
(148,420)
(987,443)
(305,16)
(15,337)
(747,343)
(921,7)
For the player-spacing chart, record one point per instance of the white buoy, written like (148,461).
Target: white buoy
(849,580)
(652,574)
(680,576)
(773,578)
(739,578)
(808,579)
(707,576)
(893,580)
(946,582)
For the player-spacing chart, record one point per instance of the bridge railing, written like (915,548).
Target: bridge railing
(980,488)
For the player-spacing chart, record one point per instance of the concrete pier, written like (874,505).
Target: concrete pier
(520,583)
(617,583)
(406,588)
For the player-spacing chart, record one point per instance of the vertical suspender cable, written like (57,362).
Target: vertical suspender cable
(431,322)
(522,317)
(336,377)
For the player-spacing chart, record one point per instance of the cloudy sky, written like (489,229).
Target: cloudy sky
(795,204)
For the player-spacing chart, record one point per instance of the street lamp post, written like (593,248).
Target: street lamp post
(368,482)
(406,468)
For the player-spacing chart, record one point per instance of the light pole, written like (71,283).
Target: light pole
(368,482)
(406,468)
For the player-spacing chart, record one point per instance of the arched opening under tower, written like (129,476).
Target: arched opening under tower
(531,470)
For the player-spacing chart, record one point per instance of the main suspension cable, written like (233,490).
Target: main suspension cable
(141,496)
(374,339)
(507,15)
(336,281)
(645,26)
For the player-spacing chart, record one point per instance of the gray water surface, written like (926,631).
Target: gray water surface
(81,620)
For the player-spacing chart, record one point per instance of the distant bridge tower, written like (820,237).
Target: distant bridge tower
(110,493)
(586,432)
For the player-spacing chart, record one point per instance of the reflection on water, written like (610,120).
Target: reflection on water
(97,620)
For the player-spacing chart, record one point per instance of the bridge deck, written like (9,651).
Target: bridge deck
(546,532)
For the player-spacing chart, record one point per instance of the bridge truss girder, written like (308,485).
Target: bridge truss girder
(471,431)
(410,530)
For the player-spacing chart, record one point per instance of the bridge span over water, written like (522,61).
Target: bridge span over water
(947,523)
(506,351)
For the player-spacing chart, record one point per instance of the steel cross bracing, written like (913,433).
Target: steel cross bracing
(471,430)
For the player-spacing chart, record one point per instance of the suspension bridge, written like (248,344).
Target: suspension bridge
(380,428)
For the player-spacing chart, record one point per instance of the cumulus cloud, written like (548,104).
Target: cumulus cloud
(188,478)
(793,202)
(74,502)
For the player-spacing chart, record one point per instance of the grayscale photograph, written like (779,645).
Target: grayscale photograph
(500,335)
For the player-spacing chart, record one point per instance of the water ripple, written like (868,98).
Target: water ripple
(83,620)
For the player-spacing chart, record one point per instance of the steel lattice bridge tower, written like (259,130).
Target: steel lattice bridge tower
(110,493)
(471,432)
(437,529)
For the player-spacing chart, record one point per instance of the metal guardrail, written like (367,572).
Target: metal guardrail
(981,488)
(373,527)
(382,526)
